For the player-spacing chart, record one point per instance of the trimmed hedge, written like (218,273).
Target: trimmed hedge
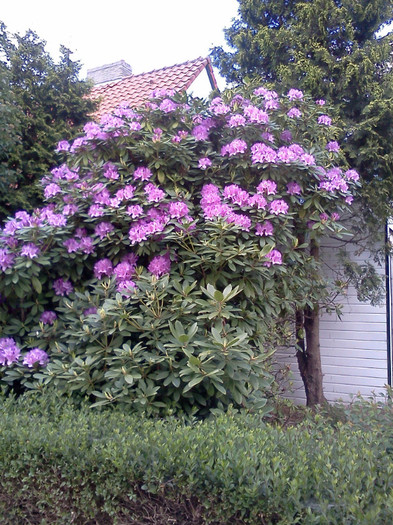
(63,464)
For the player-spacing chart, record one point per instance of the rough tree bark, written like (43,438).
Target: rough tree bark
(308,352)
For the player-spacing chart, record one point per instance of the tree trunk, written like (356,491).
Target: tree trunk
(308,348)
(309,356)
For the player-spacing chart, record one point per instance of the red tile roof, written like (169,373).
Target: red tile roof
(136,89)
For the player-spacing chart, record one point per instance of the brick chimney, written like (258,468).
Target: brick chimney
(109,72)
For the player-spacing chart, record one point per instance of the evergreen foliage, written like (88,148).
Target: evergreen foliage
(61,464)
(50,103)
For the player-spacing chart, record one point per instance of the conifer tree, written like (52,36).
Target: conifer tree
(51,104)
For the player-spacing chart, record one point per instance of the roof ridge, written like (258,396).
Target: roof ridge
(169,67)
(166,68)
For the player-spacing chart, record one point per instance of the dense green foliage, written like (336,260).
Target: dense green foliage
(61,464)
(329,49)
(173,240)
(9,132)
(51,104)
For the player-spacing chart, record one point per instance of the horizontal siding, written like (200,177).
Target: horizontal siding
(353,347)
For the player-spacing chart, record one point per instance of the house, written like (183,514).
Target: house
(356,348)
(115,83)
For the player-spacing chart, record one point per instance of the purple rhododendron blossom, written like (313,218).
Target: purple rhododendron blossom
(272,104)
(235,147)
(258,200)
(135,211)
(278,206)
(293,188)
(261,153)
(236,121)
(240,220)
(237,195)
(142,173)
(335,216)
(333,146)
(287,155)
(324,119)
(103,268)
(273,257)
(204,163)
(178,210)
(157,134)
(78,143)
(349,200)
(124,271)
(86,245)
(70,209)
(48,317)
(153,193)
(352,175)
(256,115)
(94,131)
(36,356)
(200,132)
(162,92)
(308,159)
(267,186)
(63,145)
(265,229)
(9,351)
(62,287)
(6,259)
(30,250)
(320,102)
(141,230)
(56,219)
(72,245)
(168,106)
(51,190)
(96,211)
(294,113)
(267,136)
(295,94)
(103,228)
(160,265)
(218,107)
(126,287)
(102,197)
(110,171)
(63,172)
(324,217)
(286,135)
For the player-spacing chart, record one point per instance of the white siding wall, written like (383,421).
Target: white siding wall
(353,348)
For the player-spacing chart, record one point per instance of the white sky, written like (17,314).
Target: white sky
(148,34)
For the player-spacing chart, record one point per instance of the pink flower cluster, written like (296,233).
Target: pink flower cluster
(218,107)
(160,265)
(273,257)
(256,115)
(10,353)
(62,287)
(123,272)
(334,180)
(36,356)
(263,154)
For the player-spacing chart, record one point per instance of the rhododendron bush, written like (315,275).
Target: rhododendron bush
(173,239)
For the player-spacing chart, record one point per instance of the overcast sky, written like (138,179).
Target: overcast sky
(148,34)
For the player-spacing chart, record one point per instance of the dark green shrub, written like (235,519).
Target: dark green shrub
(75,465)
